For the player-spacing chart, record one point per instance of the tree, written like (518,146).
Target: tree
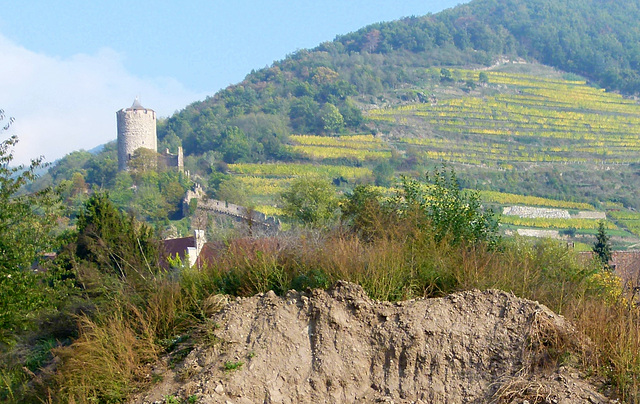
(117,244)
(448,212)
(311,200)
(233,191)
(383,173)
(303,113)
(363,211)
(234,145)
(143,161)
(332,120)
(602,246)
(26,223)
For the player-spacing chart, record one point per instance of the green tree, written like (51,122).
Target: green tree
(233,191)
(116,243)
(602,246)
(362,210)
(383,173)
(234,145)
(26,223)
(143,161)
(449,212)
(446,76)
(332,120)
(311,200)
(303,114)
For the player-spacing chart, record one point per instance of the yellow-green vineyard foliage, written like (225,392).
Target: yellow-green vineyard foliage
(513,199)
(264,186)
(353,141)
(624,215)
(323,152)
(544,223)
(296,170)
(533,120)
(269,210)
(630,220)
(360,147)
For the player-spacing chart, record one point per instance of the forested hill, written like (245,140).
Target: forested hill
(599,39)
(321,91)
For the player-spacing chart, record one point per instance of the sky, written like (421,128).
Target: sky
(67,66)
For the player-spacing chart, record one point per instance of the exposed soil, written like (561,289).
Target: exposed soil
(339,346)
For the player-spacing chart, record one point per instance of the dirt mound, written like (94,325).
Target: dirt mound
(339,346)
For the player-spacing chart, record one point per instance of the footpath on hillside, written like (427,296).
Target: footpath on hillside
(339,346)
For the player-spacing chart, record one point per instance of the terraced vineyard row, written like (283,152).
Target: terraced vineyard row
(630,220)
(359,147)
(276,170)
(267,181)
(545,223)
(513,199)
(535,120)
(531,120)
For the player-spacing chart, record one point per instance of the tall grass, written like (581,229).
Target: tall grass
(111,357)
(107,362)
(416,266)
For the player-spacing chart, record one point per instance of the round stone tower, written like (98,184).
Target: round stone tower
(136,129)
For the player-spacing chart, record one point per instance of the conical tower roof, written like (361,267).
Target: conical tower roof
(136,104)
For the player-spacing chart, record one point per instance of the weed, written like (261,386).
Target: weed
(171,400)
(230,366)
(174,400)
(170,344)
(156,378)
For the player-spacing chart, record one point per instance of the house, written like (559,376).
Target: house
(186,248)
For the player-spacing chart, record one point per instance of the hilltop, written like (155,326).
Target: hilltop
(586,37)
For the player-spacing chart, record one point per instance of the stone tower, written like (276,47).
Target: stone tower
(136,129)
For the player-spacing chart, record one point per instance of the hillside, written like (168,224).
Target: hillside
(387,250)
(464,87)
(385,78)
(301,93)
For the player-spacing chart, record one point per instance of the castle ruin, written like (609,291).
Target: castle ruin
(137,129)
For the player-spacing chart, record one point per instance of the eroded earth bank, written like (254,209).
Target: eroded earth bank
(339,346)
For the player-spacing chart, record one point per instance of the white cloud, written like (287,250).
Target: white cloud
(62,105)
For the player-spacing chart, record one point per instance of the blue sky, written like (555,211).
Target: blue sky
(67,66)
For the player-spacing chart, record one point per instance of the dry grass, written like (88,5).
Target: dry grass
(519,389)
(107,361)
(614,327)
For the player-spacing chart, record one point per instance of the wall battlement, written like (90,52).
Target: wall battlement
(229,209)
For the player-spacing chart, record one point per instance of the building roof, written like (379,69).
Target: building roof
(136,106)
(176,246)
(626,265)
(211,252)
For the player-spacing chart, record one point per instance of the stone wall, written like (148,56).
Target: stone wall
(587,214)
(539,233)
(225,208)
(167,159)
(548,213)
(531,212)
